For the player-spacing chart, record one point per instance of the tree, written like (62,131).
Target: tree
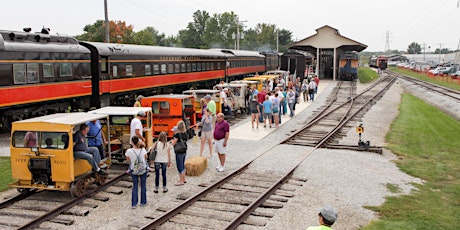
(93,33)
(414,48)
(219,31)
(285,38)
(442,51)
(148,36)
(118,30)
(192,36)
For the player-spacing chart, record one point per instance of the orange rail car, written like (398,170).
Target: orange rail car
(168,109)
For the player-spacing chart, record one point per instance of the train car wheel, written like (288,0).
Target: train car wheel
(101,179)
(23,191)
(77,188)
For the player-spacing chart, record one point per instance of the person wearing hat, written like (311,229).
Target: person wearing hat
(138,101)
(326,217)
(211,106)
(136,127)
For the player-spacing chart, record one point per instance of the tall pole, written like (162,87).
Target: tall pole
(107,36)
(237,33)
(277,40)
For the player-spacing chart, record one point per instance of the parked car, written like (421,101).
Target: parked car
(457,74)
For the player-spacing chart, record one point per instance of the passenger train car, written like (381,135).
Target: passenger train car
(43,74)
(380,62)
(348,66)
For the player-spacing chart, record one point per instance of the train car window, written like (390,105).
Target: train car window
(104,64)
(32,73)
(198,66)
(183,68)
(189,67)
(163,69)
(129,70)
(193,67)
(218,65)
(19,72)
(176,68)
(208,66)
(156,69)
(170,68)
(48,70)
(114,71)
(66,69)
(160,107)
(148,70)
(212,65)
(44,140)
(120,119)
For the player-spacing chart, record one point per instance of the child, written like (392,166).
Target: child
(162,159)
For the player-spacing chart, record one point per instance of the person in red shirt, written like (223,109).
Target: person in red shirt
(221,133)
(261,98)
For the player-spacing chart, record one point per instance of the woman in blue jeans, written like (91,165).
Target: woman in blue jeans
(180,136)
(133,155)
(162,160)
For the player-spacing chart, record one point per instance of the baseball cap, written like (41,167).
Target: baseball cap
(174,129)
(207,96)
(141,113)
(329,213)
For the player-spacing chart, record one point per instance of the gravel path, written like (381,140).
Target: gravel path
(347,180)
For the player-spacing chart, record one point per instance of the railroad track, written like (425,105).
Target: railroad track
(450,93)
(37,207)
(333,121)
(247,191)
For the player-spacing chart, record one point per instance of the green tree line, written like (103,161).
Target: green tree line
(204,32)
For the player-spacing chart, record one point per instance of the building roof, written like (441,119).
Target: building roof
(327,37)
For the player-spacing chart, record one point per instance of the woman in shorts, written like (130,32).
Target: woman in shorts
(254,109)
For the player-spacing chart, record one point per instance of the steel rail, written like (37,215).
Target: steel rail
(250,208)
(66,206)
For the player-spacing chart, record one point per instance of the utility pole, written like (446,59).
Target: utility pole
(107,36)
(423,48)
(277,40)
(238,35)
(440,47)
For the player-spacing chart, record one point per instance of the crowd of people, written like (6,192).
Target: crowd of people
(271,103)
(215,131)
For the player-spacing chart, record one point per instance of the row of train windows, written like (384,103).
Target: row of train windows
(29,73)
(235,64)
(168,68)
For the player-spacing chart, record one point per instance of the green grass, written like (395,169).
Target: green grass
(427,143)
(425,78)
(5,169)
(366,75)
(394,188)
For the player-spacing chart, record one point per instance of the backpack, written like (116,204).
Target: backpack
(139,167)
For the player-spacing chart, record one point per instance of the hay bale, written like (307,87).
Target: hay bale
(195,166)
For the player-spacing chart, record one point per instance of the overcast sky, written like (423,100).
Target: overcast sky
(433,22)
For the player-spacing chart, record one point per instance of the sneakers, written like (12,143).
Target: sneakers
(165,190)
(220,168)
(133,207)
(102,173)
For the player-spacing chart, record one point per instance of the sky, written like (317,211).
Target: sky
(431,23)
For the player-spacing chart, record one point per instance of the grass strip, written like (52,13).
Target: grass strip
(366,74)
(425,77)
(5,176)
(427,143)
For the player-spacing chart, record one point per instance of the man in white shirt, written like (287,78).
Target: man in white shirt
(136,128)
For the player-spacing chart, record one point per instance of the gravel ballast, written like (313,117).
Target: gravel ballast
(347,180)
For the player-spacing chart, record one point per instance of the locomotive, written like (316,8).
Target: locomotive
(44,74)
(348,66)
(380,62)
